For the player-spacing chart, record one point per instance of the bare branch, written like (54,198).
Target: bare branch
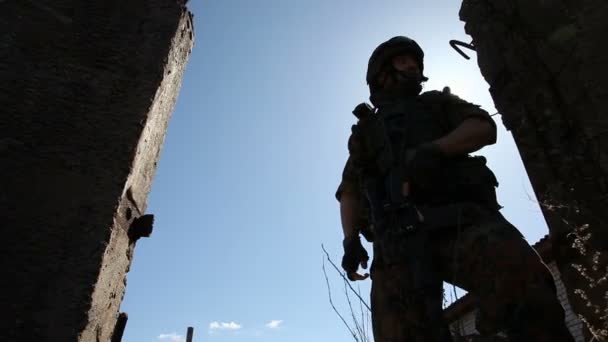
(352,312)
(363,316)
(334,307)
(344,278)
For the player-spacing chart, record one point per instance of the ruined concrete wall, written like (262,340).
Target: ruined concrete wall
(546,65)
(87,89)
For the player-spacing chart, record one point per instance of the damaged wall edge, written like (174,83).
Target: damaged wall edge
(545,64)
(87,101)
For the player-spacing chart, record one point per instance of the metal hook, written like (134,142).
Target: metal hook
(455,43)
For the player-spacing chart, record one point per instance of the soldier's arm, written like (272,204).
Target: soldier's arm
(349,209)
(472,127)
(471,135)
(349,198)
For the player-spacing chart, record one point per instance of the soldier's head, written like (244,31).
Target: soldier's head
(396,68)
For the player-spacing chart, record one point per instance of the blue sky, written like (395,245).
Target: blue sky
(243,195)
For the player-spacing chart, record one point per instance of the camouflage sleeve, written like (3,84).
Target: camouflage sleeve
(458,110)
(349,180)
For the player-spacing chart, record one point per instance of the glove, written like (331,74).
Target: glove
(424,165)
(354,255)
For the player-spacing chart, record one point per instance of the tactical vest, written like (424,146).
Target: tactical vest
(413,121)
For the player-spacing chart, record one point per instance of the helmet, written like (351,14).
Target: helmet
(390,48)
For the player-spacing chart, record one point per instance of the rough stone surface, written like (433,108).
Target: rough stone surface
(545,61)
(87,89)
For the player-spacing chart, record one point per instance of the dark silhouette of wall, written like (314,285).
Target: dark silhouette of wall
(87,89)
(546,65)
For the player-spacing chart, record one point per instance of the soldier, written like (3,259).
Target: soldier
(430,208)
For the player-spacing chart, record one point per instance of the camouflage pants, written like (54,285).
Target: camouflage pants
(512,288)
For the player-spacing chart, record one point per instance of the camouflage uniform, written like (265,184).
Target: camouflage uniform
(478,250)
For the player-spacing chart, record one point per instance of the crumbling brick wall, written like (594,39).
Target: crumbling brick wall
(546,65)
(87,89)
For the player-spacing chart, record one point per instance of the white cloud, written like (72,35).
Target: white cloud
(274,324)
(172,337)
(224,326)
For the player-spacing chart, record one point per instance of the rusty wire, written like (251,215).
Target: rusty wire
(455,45)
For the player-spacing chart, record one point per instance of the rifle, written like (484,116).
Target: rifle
(395,220)
(402,236)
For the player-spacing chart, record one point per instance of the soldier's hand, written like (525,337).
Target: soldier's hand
(424,165)
(354,256)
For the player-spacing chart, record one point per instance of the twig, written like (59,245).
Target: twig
(363,320)
(334,307)
(344,278)
(352,312)
(368,319)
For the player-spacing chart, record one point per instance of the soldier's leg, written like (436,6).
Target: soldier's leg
(514,290)
(403,313)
